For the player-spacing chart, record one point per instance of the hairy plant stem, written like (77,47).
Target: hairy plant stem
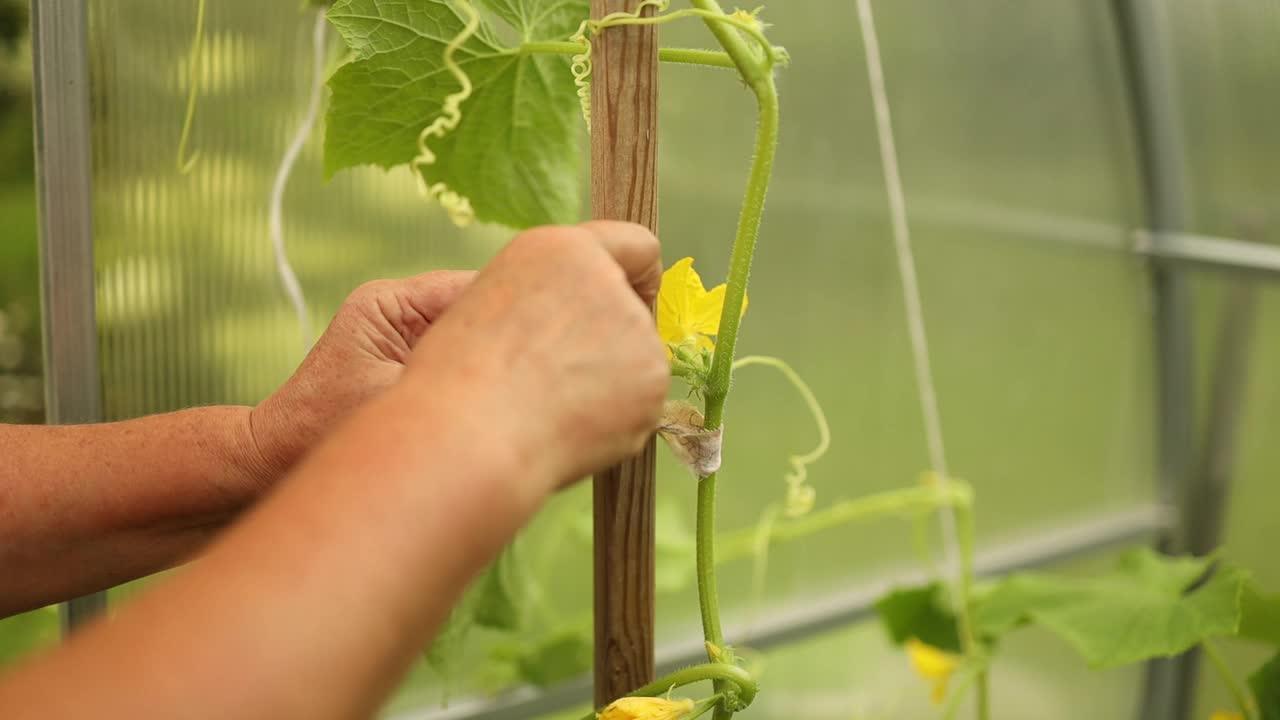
(717,389)
(964,613)
(910,502)
(753,69)
(740,679)
(680,56)
(743,684)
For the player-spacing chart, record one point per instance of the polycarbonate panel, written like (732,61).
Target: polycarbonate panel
(1227,64)
(190,306)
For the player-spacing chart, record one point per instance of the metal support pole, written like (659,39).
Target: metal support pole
(1145,43)
(73,382)
(1206,507)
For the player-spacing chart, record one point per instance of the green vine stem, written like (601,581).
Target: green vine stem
(705,706)
(912,502)
(739,678)
(744,685)
(964,614)
(717,389)
(755,70)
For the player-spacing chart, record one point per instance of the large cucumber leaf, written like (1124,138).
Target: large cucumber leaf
(1148,606)
(515,154)
(1260,615)
(498,603)
(922,613)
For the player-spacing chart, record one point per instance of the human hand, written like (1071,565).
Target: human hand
(362,353)
(555,348)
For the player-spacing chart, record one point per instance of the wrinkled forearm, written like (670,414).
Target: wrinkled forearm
(316,602)
(86,507)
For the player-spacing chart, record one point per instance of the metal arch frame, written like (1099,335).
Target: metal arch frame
(1193,477)
(73,379)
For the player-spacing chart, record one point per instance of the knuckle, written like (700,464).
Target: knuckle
(649,244)
(369,290)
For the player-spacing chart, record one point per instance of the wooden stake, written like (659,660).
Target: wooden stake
(624,89)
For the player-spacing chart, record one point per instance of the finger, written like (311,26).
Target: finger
(635,249)
(430,294)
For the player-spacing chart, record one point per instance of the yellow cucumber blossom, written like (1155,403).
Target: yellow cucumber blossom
(688,313)
(714,652)
(1225,715)
(934,665)
(646,708)
(750,17)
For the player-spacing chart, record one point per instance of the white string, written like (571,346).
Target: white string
(910,283)
(284,269)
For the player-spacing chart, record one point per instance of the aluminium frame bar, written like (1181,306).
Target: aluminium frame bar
(1144,37)
(72,378)
(838,609)
(1214,253)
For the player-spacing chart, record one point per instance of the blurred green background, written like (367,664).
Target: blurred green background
(1022,187)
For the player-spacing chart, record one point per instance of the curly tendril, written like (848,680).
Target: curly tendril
(800,494)
(581,62)
(458,206)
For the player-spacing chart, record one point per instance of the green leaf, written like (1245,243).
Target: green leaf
(496,606)
(922,613)
(1146,607)
(1265,684)
(562,656)
(1259,615)
(515,154)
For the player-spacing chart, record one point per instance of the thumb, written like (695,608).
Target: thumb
(635,249)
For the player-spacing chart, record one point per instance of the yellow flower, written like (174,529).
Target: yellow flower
(714,652)
(645,708)
(933,665)
(1225,715)
(750,17)
(688,313)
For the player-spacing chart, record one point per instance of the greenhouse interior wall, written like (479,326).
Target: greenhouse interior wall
(1029,196)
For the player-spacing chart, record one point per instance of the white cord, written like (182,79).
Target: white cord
(910,282)
(276,222)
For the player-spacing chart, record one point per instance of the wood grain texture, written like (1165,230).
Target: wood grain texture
(624,186)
